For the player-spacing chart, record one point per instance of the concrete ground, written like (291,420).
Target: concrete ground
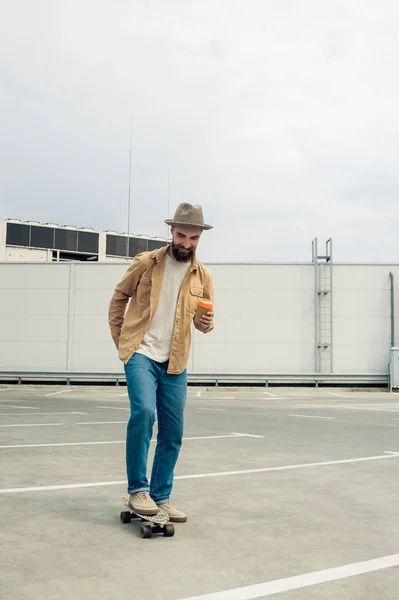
(291,493)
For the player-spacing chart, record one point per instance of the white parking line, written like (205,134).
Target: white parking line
(247,435)
(31,425)
(206,437)
(269,588)
(371,409)
(216,398)
(17,406)
(42,413)
(115,407)
(62,444)
(371,405)
(70,486)
(56,393)
(313,417)
(100,422)
(365,408)
(289,467)
(211,409)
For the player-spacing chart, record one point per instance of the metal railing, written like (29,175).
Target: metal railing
(211,379)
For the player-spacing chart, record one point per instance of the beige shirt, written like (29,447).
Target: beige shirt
(157,340)
(139,291)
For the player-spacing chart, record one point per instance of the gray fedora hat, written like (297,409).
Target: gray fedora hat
(188,215)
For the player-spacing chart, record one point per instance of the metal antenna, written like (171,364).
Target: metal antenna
(130,176)
(120,214)
(167,234)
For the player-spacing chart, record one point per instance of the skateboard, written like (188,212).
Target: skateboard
(158,523)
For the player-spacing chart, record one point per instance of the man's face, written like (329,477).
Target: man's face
(184,242)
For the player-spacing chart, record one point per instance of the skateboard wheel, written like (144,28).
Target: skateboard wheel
(169,530)
(125,517)
(146,531)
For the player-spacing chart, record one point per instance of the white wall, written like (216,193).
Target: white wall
(54,317)
(33,316)
(362,323)
(264,321)
(92,348)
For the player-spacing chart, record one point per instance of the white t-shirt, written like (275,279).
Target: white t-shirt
(158,337)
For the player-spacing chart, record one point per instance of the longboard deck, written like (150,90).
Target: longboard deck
(161,518)
(158,523)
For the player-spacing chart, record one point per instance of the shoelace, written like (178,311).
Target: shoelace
(143,495)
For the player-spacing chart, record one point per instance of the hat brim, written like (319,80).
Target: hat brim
(173,223)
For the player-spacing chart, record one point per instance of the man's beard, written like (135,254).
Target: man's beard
(180,254)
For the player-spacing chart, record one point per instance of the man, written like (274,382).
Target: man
(153,339)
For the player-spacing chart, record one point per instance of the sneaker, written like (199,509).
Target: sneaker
(142,503)
(175,515)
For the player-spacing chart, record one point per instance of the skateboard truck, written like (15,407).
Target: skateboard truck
(158,523)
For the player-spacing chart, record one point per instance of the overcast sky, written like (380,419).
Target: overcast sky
(280,117)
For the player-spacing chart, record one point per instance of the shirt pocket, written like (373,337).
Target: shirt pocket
(145,280)
(144,289)
(195,294)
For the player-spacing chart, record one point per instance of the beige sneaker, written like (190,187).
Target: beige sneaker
(142,503)
(175,515)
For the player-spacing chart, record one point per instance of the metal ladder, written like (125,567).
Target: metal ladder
(323,308)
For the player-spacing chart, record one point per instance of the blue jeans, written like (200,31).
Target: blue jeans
(150,387)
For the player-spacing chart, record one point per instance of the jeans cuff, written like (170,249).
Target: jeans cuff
(162,500)
(134,491)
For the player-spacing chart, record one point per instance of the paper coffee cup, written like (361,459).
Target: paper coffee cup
(203,306)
